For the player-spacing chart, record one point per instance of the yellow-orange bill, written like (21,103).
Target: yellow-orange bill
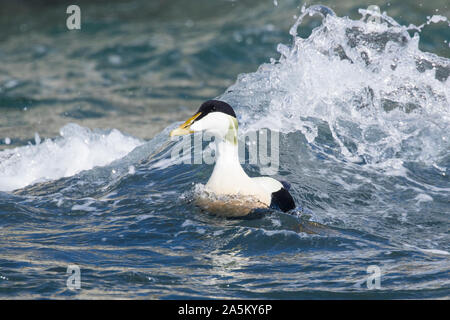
(185,127)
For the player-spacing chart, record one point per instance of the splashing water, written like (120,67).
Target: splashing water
(382,99)
(77,149)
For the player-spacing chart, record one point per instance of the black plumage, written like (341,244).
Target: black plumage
(282,200)
(214,106)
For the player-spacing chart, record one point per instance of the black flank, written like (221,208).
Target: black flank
(283,200)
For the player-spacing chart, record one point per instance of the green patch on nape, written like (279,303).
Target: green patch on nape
(232,131)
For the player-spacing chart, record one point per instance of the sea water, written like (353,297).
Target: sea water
(362,108)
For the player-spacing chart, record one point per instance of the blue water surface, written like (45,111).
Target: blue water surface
(86,170)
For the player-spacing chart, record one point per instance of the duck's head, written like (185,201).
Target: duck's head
(215,117)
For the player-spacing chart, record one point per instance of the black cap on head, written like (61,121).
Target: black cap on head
(215,106)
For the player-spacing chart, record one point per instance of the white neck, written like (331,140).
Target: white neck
(227,153)
(228,176)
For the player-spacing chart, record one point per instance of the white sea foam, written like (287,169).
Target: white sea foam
(422,197)
(382,99)
(436,251)
(84,207)
(437,18)
(187,223)
(432,251)
(75,150)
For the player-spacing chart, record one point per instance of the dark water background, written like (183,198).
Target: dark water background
(367,159)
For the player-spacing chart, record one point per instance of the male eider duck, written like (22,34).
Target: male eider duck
(242,194)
